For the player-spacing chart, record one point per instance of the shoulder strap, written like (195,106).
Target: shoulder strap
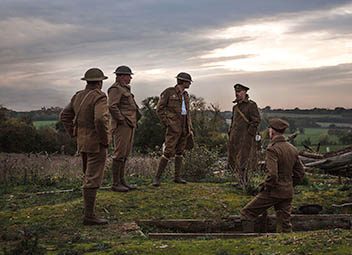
(241,113)
(80,106)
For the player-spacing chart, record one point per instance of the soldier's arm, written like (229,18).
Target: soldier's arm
(254,119)
(101,120)
(66,117)
(298,172)
(271,168)
(115,95)
(161,108)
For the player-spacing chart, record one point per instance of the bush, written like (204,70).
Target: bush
(199,162)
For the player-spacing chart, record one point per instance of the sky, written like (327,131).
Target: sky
(290,53)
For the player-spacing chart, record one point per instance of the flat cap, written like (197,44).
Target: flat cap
(240,87)
(278,124)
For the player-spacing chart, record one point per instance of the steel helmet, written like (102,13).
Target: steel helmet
(184,76)
(94,74)
(123,70)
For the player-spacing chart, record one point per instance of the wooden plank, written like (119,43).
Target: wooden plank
(233,223)
(204,235)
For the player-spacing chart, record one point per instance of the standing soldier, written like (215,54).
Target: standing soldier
(173,111)
(284,170)
(125,114)
(86,117)
(243,129)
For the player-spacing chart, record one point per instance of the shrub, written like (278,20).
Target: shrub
(199,162)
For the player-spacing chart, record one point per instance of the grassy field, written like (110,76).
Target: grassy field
(315,135)
(55,219)
(308,115)
(44,123)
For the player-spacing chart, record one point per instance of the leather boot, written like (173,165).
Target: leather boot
(122,178)
(247,226)
(178,168)
(116,168)
(90,218)
(162,165)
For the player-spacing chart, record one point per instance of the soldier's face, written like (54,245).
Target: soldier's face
(240,94)
(186,84)
(125,79)
(271,133)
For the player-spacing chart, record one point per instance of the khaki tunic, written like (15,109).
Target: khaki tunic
(284,170)
(178,126)
(125,114)
(242,133)
(86,117)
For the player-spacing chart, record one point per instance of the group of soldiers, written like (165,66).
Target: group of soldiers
(87,117)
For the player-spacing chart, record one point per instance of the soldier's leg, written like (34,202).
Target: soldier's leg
(171,139)
(122,177)
(161,167)
(92,180)
(283,215)
(180,148)
(117,167)
(253,209)
(129,134)
(122,137)
(84,162)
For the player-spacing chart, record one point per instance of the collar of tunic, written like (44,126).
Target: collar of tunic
(278,139)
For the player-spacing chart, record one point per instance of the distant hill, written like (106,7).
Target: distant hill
(51,113)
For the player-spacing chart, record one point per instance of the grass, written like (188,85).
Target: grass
(302,115)
(315,135)
(44,123)
(55,219)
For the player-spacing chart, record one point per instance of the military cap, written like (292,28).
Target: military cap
(239,87)
(184,76)
(278,124)
(123,70)
(94,74)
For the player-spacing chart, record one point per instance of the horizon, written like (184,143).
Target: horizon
(289,53)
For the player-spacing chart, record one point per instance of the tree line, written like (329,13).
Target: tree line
(19,135)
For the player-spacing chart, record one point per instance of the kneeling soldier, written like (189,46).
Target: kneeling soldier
(284,170)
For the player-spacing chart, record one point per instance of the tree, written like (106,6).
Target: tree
(150,132)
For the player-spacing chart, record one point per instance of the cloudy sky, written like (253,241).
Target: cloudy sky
(291,53)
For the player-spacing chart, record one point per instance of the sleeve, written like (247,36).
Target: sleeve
(67,116)
(298,172)
(115,95)
(271,168)
(161,108)
(101,120)
(254,119)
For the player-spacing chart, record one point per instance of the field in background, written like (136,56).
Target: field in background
(44,123)
(315,135)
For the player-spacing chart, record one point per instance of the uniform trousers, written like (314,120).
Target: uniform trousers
(264,201)
(93,168)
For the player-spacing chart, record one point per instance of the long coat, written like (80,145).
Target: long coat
(242,133)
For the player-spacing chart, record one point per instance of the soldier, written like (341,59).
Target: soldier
(125,114)
(284,170)
(243,129)
(173,111)
(86,117)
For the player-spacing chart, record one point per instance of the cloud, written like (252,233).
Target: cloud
(48,45)
(279,43)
